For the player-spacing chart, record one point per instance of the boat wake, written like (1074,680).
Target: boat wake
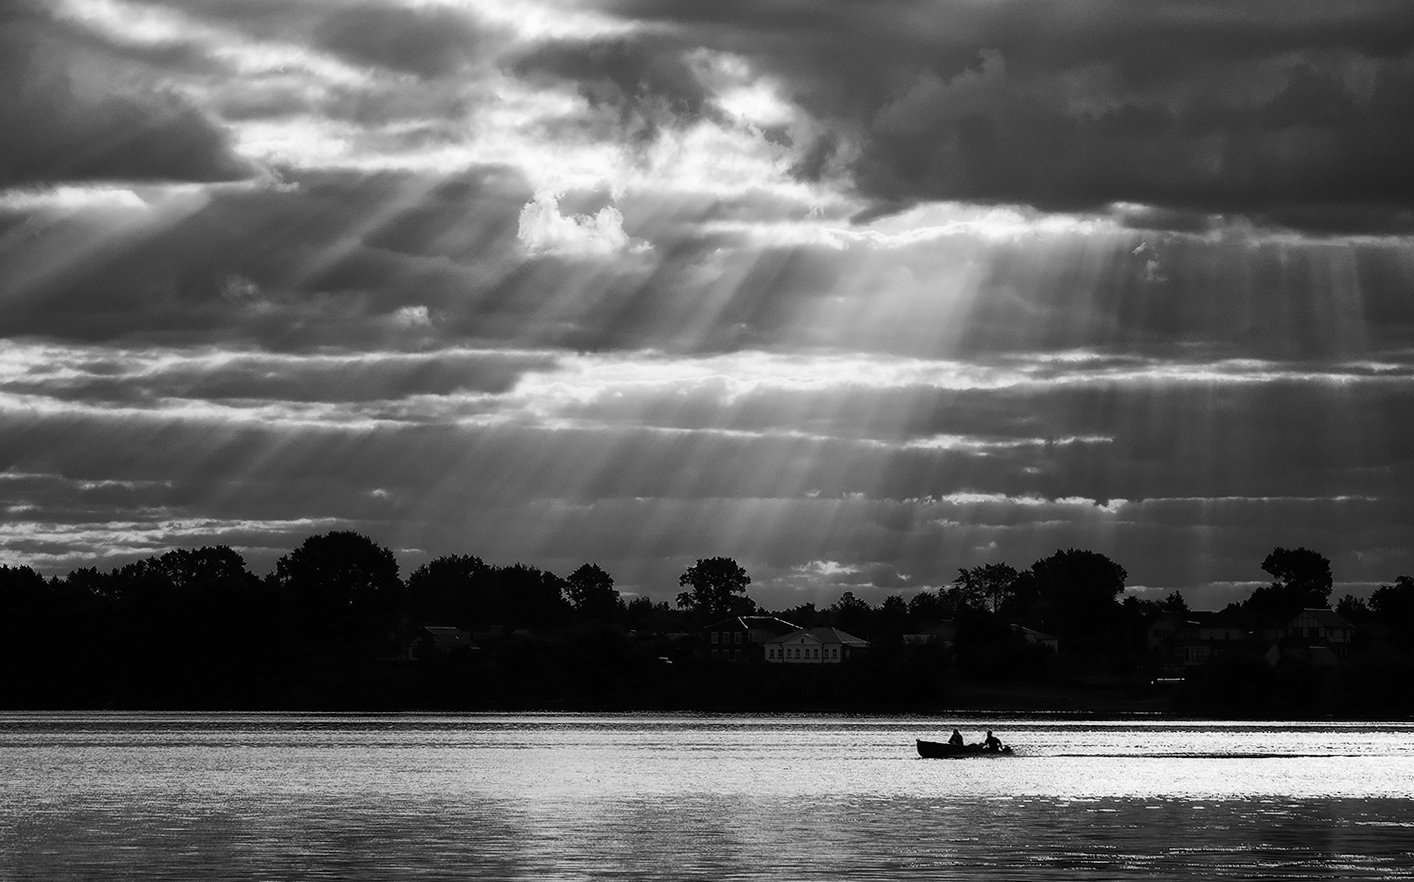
(1211,755)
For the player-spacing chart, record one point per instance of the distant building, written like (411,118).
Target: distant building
(1317,627)
(1180,642)
(434,640)
(1036,638)
(740,638)
(1220,628)
(1321,636)
(1164,627)
(814,646)
(943,634)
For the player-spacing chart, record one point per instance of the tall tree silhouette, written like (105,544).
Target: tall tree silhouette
(345,591)
(455,589)
(1301,579)
(1076,591)
(535,598)
(989,586)
(592,593)
(717,589)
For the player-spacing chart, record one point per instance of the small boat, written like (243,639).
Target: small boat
(943,750)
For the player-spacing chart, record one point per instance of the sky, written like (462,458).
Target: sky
(857,294)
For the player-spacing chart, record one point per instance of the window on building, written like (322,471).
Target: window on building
(714,653)
(738,636)
(714,636)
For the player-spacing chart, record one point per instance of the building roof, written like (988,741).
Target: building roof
(823,635)
(1032,633)
(751,623)
(1328,618)
(448,637)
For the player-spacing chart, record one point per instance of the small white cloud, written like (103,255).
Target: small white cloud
(826,568)
(69,199)
(544,230)
(413,317)
(239,289)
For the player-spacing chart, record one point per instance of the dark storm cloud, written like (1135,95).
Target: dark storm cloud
(326,258)
(428,41)
(647,80)
(78,110)
(1295,113)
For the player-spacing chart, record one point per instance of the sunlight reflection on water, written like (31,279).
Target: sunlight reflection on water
(638,796)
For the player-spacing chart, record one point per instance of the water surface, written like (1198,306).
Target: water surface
(527,796)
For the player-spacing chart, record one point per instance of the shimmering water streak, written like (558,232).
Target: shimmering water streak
(567,796)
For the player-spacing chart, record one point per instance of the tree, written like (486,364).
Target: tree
(592,593)
(927,608)
(454,589)
(344,588)
(892,616)
(803,615)
(1079,579)
(989,586)
(718,589)
(1353,609)
(535,598)
(1174,603)
(1076,591)
(850,613)
(1301,575)
(206,568)
(26,608)
(1301,579)
(214,594)
(642,614)
(1395,603)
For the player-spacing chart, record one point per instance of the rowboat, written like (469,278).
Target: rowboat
(943,750)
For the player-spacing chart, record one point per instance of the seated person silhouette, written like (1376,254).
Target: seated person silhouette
(991,742)
(956,739)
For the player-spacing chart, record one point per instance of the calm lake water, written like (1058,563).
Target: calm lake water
(567,796)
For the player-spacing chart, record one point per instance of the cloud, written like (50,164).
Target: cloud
(324,257)
(544,230)
(643,79)
(856,293)
(1288,113)
(428,41)
(78,111)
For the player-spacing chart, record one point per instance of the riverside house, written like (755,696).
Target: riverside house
(814,646)
(740,638)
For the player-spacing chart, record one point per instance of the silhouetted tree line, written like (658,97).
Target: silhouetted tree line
(335,625)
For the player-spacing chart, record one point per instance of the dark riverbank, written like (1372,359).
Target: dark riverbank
(534,676)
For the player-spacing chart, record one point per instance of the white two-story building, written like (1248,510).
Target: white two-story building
(814,646)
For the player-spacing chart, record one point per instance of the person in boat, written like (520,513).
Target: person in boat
(956,739)
(991,742)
